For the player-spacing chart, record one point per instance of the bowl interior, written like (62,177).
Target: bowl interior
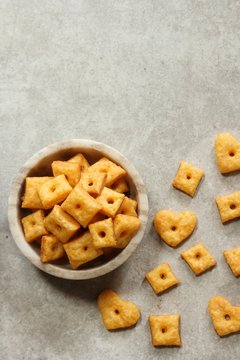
(43,168)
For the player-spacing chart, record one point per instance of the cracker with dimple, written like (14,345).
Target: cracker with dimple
(199,259)
(71,170)
(225,317)
(61,224)
(128,207)
(227,149)
(31,199)
(80,205)
(117,313)
(174,228)
(165,330)
(162,278)
(51,248)
(81,250)
(114,172)
(33,226)
(125,227)
(188,178)
(229,206)
(110,201)
(81,161)
(54,191)
(102,233)
(120,185)
(233,259)
(93,182)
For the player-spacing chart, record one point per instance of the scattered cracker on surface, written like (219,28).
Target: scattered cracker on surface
(225,317)
(81,250)
(198,258)
(61,224)
(80,205)
(162,278)
(120,186)
(174,228)
(229,206)
(114,172)
(102,233)
(128,207)
(54,191)
(233,259)
(93,182)
(165,330)
(125,227)
(51,248)
(187,178)
(31,199)
(80,160)
(110,201)
(71,170)
(227,149)
(33,226)
(117,313)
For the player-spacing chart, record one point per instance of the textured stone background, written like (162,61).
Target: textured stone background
(157,80)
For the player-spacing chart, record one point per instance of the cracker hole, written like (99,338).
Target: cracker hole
(117,311)
(163,276)
(227,317)
(78,206)
(232,206)
(189,177)
(110,201)
(102,234)
(58,227)
(174,228)
(90,183)
(123,233)
(232,153)
(33,223)
(53,189)
(164,330)
(198,255)
(85,248)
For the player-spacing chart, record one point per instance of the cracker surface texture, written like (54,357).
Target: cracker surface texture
(227,149)
(33,226)
(233,259)
(110,201)
(225,317)
(162,278)
(125,227)
(54,191)
(117,313)
(199,259)
(61,224)
(188,178)
(103,233)
(229,206)
(81,250)
(71,170)
(51,248)
(165,330)
(31,199)
(174,228)
(114,172)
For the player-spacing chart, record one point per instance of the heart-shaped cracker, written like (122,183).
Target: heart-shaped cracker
(174,228)
(117,313)
(227,149)
(225,317)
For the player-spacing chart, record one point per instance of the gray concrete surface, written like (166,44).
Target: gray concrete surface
(156,80)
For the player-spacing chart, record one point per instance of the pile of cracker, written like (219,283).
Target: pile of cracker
(174,229)
(81,211)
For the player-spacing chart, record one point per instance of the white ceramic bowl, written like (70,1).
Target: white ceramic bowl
(39,165)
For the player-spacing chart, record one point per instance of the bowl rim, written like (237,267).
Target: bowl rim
(16,227)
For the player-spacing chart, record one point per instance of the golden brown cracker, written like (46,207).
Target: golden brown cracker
(33,226)
(31,199)
(110,201)
(125,227)
(227,149)
(187,178)
(51,248)
(229,206)
(174,228)
(225,317)
(162,278)
(198,258)
(71,170)
(117,313)
(54,191)
(233,259)
(165,330)
(102,233)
